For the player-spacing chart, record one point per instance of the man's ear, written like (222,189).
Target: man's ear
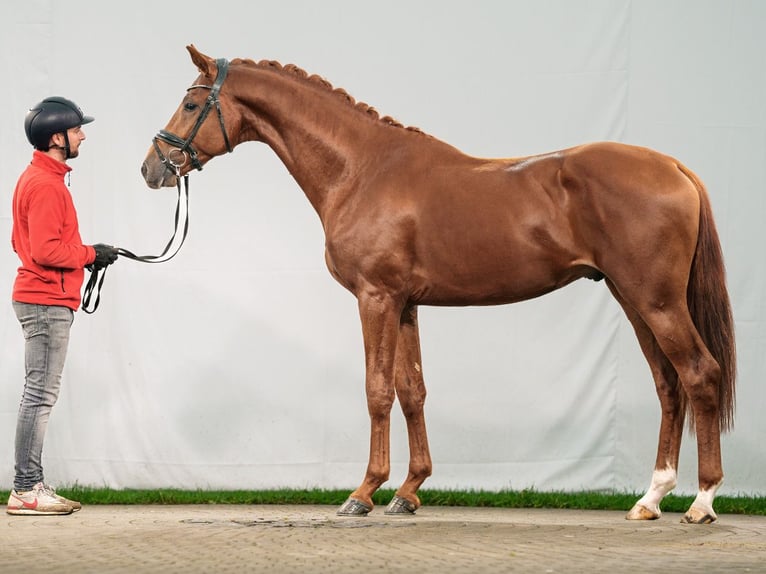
(57,140)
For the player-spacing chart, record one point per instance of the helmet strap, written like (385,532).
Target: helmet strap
(66,146)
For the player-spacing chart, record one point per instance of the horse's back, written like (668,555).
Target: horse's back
(621,167)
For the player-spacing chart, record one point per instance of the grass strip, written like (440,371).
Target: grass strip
(753,505)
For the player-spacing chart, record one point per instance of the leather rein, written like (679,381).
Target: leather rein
(186,150)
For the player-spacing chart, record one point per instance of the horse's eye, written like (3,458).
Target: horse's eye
(190,106)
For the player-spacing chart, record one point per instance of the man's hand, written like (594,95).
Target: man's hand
(105,255)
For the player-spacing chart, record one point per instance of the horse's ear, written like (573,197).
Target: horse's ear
(205,64)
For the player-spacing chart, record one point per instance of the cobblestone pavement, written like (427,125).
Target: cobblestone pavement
(307,539)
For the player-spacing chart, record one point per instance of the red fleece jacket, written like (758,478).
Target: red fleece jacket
(46,237)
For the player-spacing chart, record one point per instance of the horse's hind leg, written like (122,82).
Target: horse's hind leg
(671,426)
(700,377)
(411,392)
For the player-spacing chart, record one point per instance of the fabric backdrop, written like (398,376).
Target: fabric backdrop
(239,364)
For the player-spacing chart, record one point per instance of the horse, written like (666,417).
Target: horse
(410,220)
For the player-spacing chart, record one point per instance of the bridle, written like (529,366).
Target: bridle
(184,146)
(187,151)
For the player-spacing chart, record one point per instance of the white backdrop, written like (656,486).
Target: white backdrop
(239,363)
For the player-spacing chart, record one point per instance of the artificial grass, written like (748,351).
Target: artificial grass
(754,505)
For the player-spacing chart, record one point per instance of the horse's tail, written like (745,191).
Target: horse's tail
(710,307)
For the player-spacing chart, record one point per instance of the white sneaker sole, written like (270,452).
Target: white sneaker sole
(36,512)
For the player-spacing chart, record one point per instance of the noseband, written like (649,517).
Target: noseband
(184,146)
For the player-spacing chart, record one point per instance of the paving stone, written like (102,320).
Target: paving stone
(308,539)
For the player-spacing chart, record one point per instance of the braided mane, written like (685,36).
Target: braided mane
(294,70)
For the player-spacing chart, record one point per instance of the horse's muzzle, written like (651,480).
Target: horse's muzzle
(156,174)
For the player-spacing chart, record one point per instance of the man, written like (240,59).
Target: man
(46,292)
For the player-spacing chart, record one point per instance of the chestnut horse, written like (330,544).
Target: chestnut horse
(410,221)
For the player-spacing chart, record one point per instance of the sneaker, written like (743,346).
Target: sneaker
(41,500)
(73,503)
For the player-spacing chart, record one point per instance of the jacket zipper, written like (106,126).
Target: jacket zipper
(63,289)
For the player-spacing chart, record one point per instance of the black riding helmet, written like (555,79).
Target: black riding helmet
(51,116)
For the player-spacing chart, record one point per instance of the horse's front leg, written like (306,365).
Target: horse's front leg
(411,391)
(380,327)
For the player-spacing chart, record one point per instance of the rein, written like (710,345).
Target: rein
(94,284)
(185,148)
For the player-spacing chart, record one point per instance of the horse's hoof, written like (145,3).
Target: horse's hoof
(399,505)
(698,516)
(641,512)
(354,507)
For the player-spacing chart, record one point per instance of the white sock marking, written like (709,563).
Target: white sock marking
(663,481)
(705,498)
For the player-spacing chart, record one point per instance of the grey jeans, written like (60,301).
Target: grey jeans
(46,332)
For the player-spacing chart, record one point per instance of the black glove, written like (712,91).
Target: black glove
(105,255)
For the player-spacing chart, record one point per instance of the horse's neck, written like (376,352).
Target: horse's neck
(320,138)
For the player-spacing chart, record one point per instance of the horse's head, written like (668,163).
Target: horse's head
(196,132)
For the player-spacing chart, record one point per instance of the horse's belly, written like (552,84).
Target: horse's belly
(495,285)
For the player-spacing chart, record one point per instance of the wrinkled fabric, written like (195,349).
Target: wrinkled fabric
(46,237)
